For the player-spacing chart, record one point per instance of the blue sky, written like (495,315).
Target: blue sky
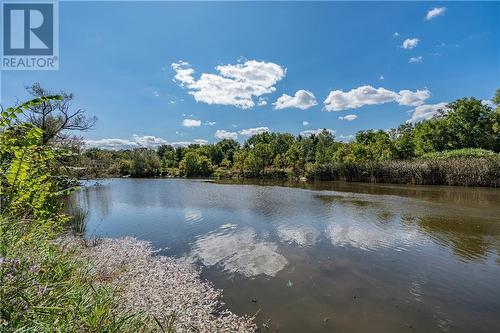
(117,58)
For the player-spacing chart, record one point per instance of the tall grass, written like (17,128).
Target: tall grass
(451,171)
(46,289)
(78,220)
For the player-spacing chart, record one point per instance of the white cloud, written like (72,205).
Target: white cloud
(415,60)
(187,143)
(305,123)
(381,77)
(488,102)
(253,131)
(262,101)
(316,131)
(410,43)
(111,144)
(156,94)
(235,85)
(303,100)
(210,123)
(183,73)
(427,111)
(191,123)
(349,117)
(339,100)
(137,141)
(222,134)
(149,141)
(435,12)
(346,137)
(413,98)
(396,34)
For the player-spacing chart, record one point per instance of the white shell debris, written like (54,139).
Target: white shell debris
(163,287)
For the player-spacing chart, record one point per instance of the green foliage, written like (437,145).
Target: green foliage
(467,124)
(194,164)
(145,163)
(42,287)
(462,153)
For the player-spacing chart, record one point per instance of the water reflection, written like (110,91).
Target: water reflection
(470,238)
(192,215)
(427,255)
(301,235)
(238,252)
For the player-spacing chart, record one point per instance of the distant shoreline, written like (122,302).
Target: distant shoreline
(468,172)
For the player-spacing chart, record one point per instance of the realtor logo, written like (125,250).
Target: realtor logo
(30,35)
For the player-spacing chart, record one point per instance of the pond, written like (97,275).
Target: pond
(322,257)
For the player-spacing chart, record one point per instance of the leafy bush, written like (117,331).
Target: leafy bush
(42,287)
(461,153)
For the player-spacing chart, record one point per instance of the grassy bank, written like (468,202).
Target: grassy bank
(454,171)
(46,289)
(50,284)
(42,287)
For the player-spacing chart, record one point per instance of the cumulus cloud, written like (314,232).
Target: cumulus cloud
(235,85)
(110,144)
(346,138)
(381,77)
(191,123)
(253,131)
(396,34)
(222,134)
(149,141)
(303,100)
(138,141)
(262,101)
(183,73)
(316,131)
(410,43)
(435,12)
(339,100)
(305,123)
(210,123)
(187,143)
(349,117)
(427,111)
(413,98)
(488,103)
(415,60)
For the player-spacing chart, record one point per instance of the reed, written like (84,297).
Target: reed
(439,171)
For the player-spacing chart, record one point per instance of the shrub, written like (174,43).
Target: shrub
(461,153)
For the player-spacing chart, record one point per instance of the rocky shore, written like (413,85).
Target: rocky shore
(159,287)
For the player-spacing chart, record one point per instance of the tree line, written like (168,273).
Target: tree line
(468,129)
(459,145)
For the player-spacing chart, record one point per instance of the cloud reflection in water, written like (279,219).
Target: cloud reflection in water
(238,252)
(298,235)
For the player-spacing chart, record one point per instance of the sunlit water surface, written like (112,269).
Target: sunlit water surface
(323,257)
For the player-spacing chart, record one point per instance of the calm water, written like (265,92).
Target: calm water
(326,257)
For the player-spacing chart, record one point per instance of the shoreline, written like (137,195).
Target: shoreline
(166,290)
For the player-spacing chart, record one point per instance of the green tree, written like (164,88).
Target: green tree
(294,159)
(262,153)
(145,163)
(228,147)
(193,165)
